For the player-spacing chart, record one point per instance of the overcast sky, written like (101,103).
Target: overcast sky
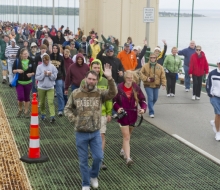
(164,4)
(187,4)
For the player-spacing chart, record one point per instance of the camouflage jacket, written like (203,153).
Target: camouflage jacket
(84,108)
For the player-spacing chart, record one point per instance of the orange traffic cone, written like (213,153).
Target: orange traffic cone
(34,155)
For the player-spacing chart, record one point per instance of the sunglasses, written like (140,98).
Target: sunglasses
(198,49)
(152,57)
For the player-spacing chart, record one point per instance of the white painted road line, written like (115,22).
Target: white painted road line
(214,159)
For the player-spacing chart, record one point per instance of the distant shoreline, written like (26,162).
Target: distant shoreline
(170,14)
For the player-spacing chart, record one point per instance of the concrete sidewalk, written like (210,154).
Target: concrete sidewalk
(186,118)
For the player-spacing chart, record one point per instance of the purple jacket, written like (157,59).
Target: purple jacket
(121,101)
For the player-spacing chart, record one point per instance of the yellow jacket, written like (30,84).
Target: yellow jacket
(156,72)
(95,50)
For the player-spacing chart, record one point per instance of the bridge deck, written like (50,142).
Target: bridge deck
(161,161)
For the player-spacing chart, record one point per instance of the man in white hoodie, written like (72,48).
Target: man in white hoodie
(46,75)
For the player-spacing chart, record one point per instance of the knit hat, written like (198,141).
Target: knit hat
(157,48)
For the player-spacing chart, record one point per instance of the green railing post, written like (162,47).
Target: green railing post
(192,19)
(177,40)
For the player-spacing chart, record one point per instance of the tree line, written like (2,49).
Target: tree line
(12,9)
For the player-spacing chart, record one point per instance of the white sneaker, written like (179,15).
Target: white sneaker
(217,136)
(187,90)
(122,154)
(94,182)
(212,122)
(152,116)
(168,95)
(86,188)
(193,97)
(172,95)
(197,98)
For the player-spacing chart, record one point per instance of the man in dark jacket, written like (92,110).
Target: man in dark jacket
(187,52)
(58,62)
(117,68)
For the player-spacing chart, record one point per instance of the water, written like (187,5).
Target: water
(71,21)
(205,32)
(205,29)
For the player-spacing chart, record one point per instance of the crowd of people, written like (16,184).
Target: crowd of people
(104,83)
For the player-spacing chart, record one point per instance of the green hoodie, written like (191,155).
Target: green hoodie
(102,84)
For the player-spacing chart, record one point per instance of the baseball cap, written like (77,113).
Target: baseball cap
(157,48)
(109,48)
(12,40)
(218,61)
(33,44)
(126,44)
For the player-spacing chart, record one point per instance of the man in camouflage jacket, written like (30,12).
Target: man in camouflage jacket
(84,110)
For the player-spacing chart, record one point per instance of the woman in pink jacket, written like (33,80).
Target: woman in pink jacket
(198,66)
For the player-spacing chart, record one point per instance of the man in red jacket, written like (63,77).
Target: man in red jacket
(198,66)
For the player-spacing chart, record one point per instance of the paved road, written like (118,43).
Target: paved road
(187,118)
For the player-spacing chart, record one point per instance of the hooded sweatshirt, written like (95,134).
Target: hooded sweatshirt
(83,107)
(103,85)
(76,73)
(58,62)
(46,82)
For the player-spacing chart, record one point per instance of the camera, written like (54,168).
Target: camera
(120,115)
(152,79)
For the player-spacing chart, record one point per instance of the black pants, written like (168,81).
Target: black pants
(197,85)
(171,82)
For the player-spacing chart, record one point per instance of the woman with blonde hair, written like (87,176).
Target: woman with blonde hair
(172,66)
(126,101)
(25,67)
(153,76)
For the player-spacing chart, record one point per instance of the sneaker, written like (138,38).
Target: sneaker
(52,119)
(212,122)
(103,166)
(19,113)
(27,115)
(86,188)
(43,117)
(197,98)
(217,136)
(122,154)
(4,81)
(187,90)
(193,97)
(94,182)
(114,116)
(172,95)
(60,113)
(129,162)
(152,116)
(168,95)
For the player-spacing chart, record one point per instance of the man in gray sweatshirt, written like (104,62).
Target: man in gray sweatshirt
(46,75)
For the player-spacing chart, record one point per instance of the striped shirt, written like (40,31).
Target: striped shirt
(11,51)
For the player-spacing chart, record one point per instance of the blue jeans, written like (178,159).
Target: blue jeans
(152,96)
(59,92)
(34,89)
(187,78)
(94,141)
(73,87)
